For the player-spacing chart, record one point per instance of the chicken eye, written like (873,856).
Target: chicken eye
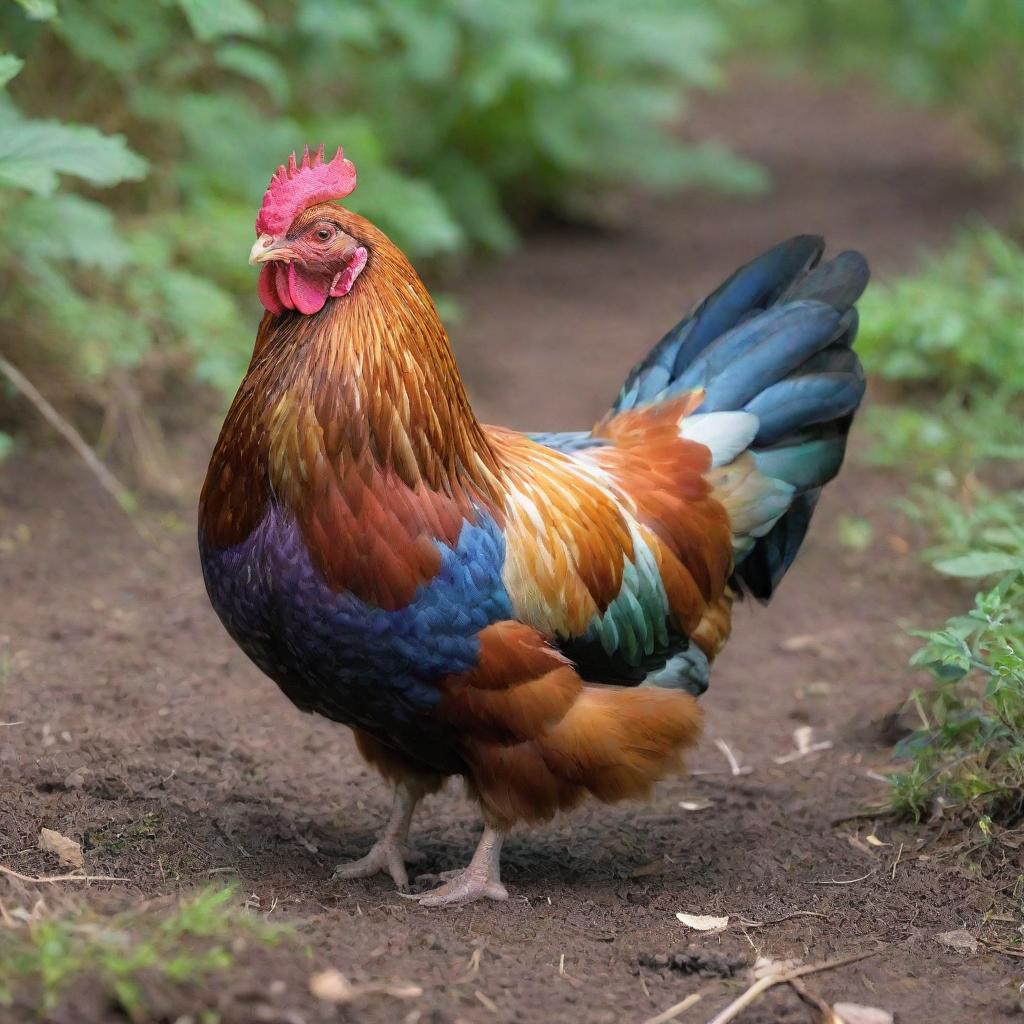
(323,234)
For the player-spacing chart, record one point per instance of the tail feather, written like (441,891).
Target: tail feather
(839,283)
(771,350)
(752,288)
(802,401)
(773,345)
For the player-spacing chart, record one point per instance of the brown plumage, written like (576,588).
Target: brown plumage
(535,614)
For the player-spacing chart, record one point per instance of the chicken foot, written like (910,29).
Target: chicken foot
(389,854)
(480,880)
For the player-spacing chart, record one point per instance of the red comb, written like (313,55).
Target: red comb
(297,186)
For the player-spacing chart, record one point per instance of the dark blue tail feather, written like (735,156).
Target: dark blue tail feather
(773,340)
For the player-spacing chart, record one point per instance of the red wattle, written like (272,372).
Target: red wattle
(308,293)
(291,286)
(281,284)
(267,291)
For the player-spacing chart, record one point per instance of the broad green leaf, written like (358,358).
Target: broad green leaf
(125,38)
(34,153)
(347,23)
(9,67)
(258,65)
(39,10)
(980,563)
(67,227)
(212,19)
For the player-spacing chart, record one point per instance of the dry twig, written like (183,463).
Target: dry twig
(783,977)
(842,881)
(734,766)
(106,479)
(674,1011)
(748,923)
(896,862)
(59,878)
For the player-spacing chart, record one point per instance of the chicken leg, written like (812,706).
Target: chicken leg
(480,880)
(389,854)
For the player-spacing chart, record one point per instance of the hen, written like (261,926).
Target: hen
(534,613)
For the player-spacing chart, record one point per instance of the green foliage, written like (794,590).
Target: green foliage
(950,337)
(124,954)
(967,55)
(460,117)
(34,153)
(957,326)
(854,534)
(969,751)
(949,342)
(974,533)
(944,440)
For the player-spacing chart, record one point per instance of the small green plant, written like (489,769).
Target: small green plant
(968,753)
(956,326)
(41,960)
(949,341)
(116,838)
(944,441)
(950,336)
(854,533)
(974,533)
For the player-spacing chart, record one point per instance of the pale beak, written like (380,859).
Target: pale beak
(268,248)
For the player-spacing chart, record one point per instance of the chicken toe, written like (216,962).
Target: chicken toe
(386,856)
(479,881)
(389,854)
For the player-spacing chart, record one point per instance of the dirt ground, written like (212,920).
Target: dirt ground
(115,672)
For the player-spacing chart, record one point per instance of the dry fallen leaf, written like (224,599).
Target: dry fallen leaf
(331,986)
(875,841)
(960,940)
(813,643)
(402,990)
(655,867)
(695,805)
(854,1013)
(703,922)
(67,850)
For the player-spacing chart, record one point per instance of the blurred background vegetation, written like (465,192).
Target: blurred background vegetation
(136,140)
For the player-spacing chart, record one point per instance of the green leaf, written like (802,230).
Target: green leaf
(39,10)
(211,19)
(855,533)
(67,227)
(980,563)
(258,65)
(9,67)
(343,23)
(6,445)
(34,153)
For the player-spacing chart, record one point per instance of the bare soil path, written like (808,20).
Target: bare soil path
(191,767)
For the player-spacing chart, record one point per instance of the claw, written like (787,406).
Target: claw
(385,857)
(466,887)
(389,854)
(480,881)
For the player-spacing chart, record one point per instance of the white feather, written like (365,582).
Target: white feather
(725,434)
